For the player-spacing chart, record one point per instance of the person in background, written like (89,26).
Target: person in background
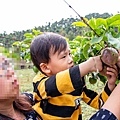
(13,105)
(60,85)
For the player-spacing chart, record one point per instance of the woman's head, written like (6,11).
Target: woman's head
(9,88)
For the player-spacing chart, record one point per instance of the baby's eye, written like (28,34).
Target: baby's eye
(64,56)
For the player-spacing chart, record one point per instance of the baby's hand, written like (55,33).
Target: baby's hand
(96,64)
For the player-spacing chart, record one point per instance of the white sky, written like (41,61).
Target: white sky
(17,15)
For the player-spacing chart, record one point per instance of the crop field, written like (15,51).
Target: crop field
(25,77)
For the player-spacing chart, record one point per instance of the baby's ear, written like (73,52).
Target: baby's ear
(44,67)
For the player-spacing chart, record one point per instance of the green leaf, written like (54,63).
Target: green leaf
(27,40)
(79,24)
(96,40)
(28,35)
(17,43)
(101,21)
(98,47)
(25,45)
(116,23)
(86,49)
(78,38)
(36,32)
(113,41)
(74,44)
(84,41)
(112,19)
(92,23)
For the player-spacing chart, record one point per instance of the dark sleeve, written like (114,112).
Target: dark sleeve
(30,97)
(3,117)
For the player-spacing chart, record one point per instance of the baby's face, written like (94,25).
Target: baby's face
(60,61)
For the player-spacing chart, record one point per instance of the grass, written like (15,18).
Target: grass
(25,77)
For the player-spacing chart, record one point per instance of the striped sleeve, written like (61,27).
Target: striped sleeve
(62,83)
(94,99)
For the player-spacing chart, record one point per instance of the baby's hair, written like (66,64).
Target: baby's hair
(43,45)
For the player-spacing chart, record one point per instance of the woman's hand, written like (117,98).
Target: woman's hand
(112,75)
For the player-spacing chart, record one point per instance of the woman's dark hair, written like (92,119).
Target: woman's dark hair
(43,44)
(23,103)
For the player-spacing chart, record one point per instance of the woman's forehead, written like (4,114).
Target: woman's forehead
(5,63)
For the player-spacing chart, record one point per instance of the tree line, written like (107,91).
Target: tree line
(62,27)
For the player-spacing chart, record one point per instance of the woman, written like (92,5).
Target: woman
(13,106)
(111,108)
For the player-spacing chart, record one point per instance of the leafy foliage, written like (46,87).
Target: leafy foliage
(24,46)
(85,46)
(83,41)
(91,43)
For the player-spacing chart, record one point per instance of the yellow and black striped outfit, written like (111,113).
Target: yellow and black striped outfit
(58,97)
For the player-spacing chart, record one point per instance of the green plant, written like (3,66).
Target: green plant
(107,34)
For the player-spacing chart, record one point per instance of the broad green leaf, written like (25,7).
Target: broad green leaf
(92,23)
(86,49)
(36,32)
(74,44)
(113,41)
(119,28)
(99,31)
(17,43)
(96,40)
(28,35)
(79,24)
(116,23)
(101,21)
(78,38)
(25,45)
(112,19)
(27,40)
(98,47)
(118,35)
(84,42)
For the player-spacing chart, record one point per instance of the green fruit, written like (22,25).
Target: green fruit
(35,69)
(92,80)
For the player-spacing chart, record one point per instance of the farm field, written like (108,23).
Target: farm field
(25,77)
